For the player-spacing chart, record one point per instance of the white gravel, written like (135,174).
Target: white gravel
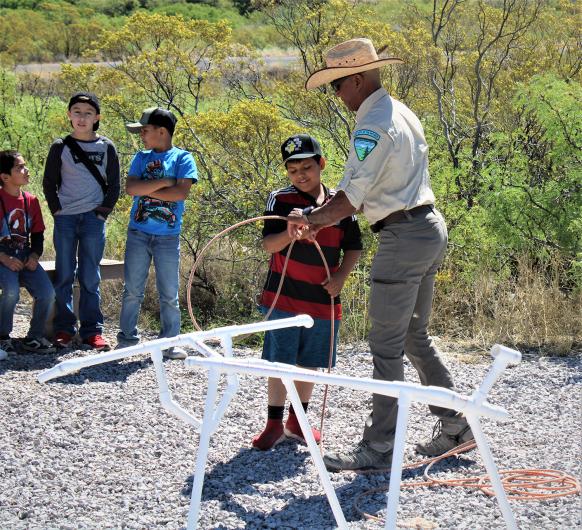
(95,450)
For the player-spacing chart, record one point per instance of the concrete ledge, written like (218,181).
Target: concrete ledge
(110,269)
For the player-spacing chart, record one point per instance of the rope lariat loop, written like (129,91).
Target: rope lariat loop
(279,288)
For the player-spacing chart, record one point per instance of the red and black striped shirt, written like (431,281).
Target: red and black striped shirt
(302,292)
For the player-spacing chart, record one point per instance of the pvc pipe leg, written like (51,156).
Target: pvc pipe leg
(397,458)
(165,394)
(494,476)
(203,445)
(315,453)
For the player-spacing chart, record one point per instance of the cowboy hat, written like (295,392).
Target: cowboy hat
(349,57)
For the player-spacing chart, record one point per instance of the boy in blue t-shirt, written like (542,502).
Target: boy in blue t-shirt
(159,180)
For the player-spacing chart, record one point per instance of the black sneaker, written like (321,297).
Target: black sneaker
(37,345)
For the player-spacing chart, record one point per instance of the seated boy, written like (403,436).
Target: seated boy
(21,245)
(306,289)
(159,179)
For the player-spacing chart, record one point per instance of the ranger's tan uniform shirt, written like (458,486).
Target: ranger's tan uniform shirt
(387,167)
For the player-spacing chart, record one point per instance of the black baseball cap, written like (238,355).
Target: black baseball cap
(300,146)
(86,97)
(154,116)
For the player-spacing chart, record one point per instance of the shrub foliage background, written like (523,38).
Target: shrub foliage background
(496,85)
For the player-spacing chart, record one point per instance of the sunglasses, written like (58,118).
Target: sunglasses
(337,83)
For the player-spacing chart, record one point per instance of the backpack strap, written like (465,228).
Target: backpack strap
(72,144)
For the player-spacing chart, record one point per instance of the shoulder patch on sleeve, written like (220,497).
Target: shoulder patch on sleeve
(363,147)
(367,132)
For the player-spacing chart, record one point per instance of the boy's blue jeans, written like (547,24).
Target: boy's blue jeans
(38,284)
(140,249)
(82,234)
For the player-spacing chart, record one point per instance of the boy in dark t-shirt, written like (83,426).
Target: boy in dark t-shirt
(306,289)
(21,245)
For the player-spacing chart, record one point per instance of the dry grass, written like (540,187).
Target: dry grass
(530,309)
(111,293)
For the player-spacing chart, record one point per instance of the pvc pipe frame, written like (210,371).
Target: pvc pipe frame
(473,406)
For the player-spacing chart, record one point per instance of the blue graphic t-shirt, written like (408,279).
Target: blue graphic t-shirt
(155,216)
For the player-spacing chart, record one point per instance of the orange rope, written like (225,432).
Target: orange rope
(280,286)
(519,484)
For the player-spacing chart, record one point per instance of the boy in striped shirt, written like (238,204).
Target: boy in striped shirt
(306,288)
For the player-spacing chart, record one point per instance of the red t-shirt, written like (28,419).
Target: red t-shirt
(19,217)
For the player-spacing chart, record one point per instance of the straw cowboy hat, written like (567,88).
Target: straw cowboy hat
(349,57)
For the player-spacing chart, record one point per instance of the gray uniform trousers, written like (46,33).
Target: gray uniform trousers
(402,282)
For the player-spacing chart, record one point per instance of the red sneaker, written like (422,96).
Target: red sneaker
(62,339)
(97,342)
(293,430)
(270,437)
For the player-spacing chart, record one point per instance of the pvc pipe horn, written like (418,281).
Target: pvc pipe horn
(499,351)
(503,357)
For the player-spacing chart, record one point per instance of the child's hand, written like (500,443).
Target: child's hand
(296,228)
(102,212)
(31,262)
(311,231)
(12,263)
(334,285)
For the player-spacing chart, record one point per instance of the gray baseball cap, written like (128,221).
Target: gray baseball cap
(154,116)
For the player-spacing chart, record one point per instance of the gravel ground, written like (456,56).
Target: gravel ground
(95,450)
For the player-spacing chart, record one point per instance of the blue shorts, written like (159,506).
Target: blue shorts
(299,346)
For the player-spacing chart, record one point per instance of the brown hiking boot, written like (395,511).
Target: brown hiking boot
(447,434)
(361,458)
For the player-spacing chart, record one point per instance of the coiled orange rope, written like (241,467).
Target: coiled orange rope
(519,484)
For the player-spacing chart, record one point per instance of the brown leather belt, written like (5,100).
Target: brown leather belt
(400,215)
